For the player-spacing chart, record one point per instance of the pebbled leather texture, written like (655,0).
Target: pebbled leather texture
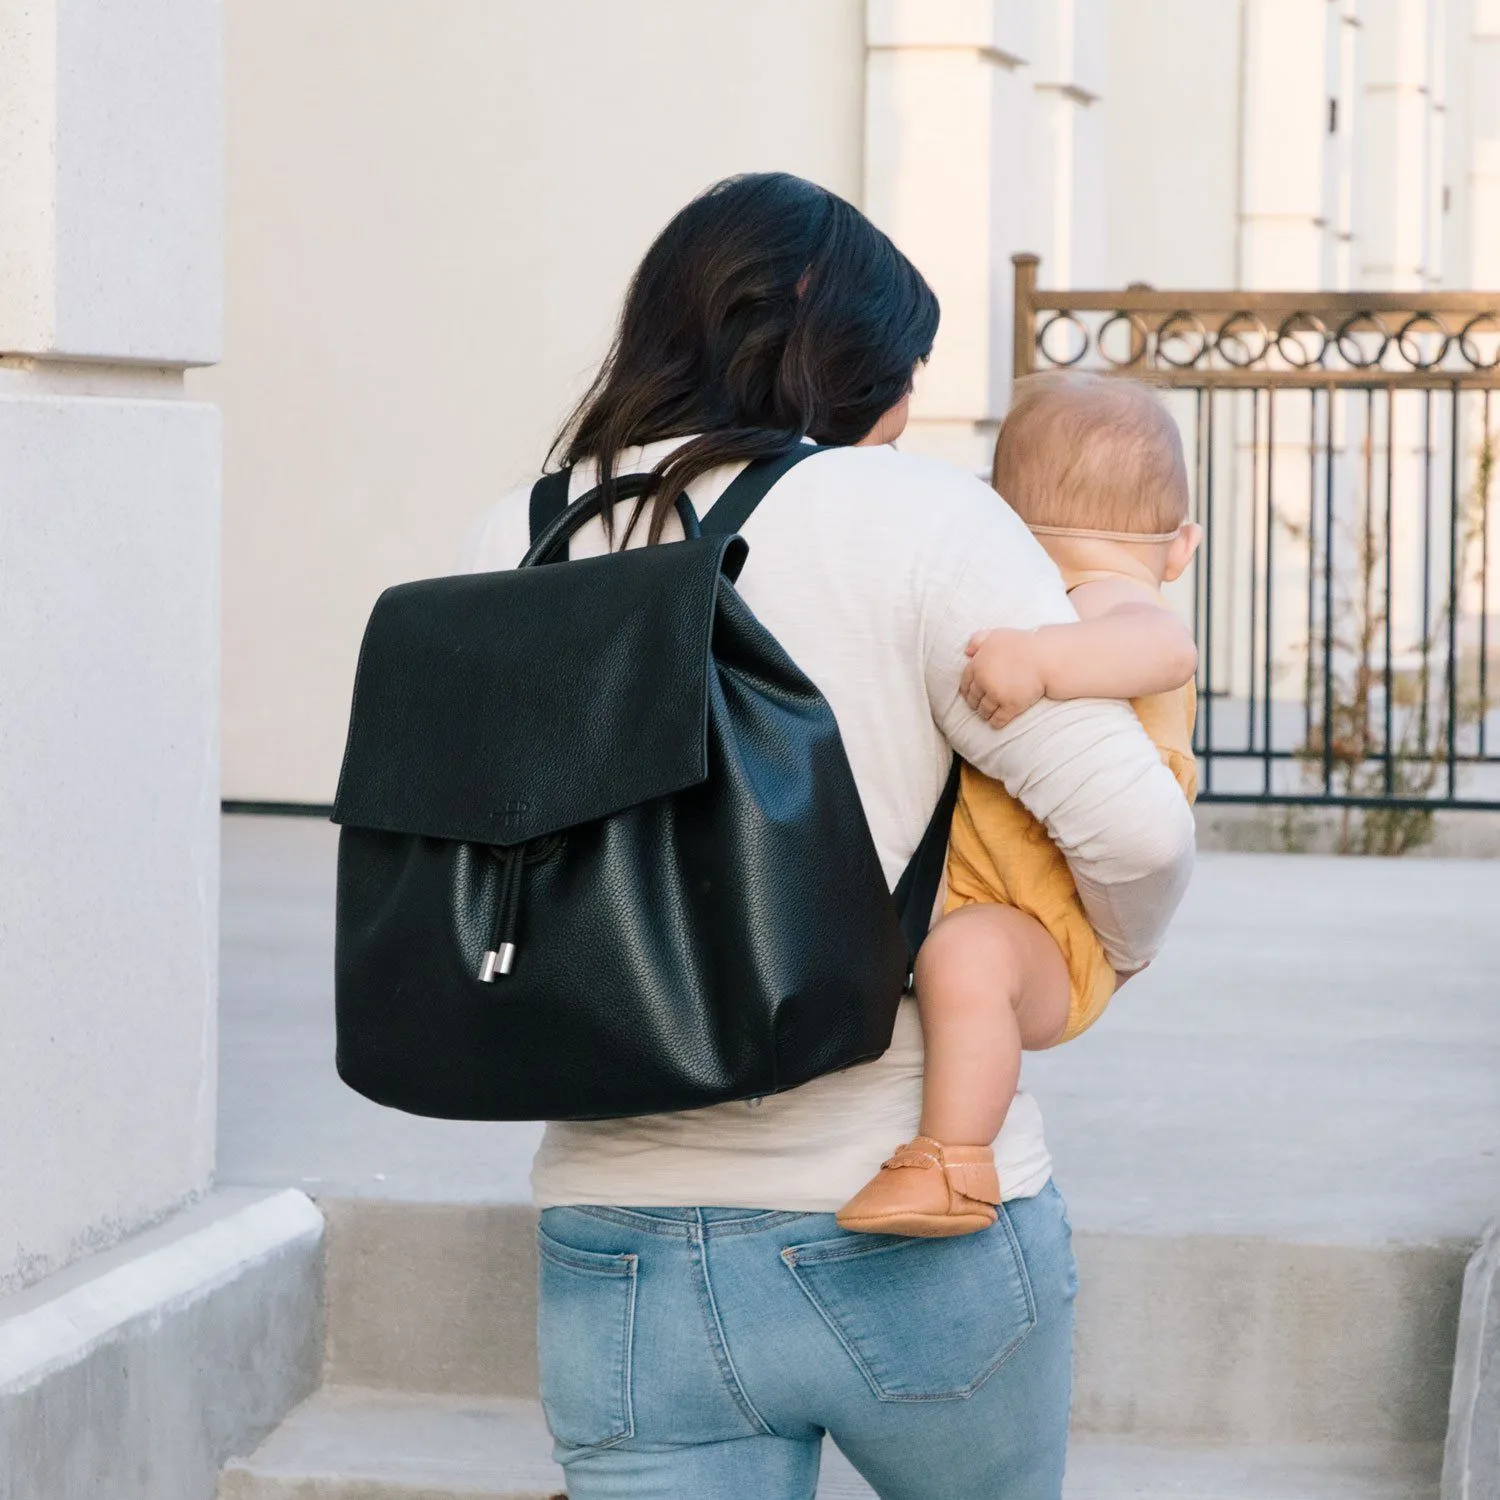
(577,690)
(702,915)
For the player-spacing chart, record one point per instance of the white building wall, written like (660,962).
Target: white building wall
(432,214)
(109,285)
(1172,147)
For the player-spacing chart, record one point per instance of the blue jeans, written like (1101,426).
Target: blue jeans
(702,1353)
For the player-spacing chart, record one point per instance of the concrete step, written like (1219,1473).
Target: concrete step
(133,1373)
(349,1444)
(1182,1339)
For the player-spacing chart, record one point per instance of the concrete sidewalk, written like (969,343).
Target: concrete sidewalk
(1316,1057)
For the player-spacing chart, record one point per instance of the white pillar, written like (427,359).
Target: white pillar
(109,287)
(1341,188)
(984,136)
(949,159)
(1484,150)
(1400,248)
(1284,152)
(1401,163)
(1072,56)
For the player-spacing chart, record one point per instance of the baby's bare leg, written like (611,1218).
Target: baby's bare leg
(990,982)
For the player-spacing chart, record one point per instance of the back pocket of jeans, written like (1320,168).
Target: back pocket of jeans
(585,1330)
(925,1320)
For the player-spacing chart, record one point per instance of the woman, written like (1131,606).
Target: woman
(703,1322)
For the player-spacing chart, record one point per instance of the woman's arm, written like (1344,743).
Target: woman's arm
(1085,768)
(1127,645)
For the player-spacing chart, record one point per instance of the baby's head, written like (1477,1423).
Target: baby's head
(1093,464)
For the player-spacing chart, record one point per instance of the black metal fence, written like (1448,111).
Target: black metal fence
(1341,453)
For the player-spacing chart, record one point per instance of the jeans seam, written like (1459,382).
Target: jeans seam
(627,1395)
(771,1218)
(624,1384)
(788,1259)
(716,1338)
(627,1392)
(585,1264)
(1020,1255)
(828,1252)
(671,1228)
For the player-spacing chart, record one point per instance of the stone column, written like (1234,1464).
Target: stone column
(1347,133)
(1295,152)
(1072,59)
(1399,247)
(1484,146)
(983,137)
(1400,200)
(949,160)
(1284,153)
(149,1357)
(1479,185)
(109,632)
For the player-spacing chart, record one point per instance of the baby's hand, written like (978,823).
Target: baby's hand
(1003,677)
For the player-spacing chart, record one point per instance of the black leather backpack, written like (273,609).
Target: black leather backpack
(601,850)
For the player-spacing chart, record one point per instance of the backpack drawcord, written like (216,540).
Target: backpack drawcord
(500,956)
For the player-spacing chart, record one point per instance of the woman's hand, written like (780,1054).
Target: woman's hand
(1003,677)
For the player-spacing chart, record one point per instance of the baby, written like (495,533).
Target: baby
(1093,464)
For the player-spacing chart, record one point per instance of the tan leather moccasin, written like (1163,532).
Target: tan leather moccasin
(928,1190)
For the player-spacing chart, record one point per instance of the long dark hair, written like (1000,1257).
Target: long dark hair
(768,310)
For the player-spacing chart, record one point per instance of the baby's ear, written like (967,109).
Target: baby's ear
(1180,553)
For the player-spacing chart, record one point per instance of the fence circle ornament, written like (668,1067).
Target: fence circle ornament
(1486,328)
(1137,339)
(1242,340)
(1420,336)
(1045,341)
(1182,340)
(1294,337)
(1363,340)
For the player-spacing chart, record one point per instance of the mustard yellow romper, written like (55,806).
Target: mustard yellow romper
(998,852)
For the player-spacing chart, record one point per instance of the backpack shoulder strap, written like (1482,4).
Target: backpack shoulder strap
(749,487)
(549,499)
(918,886)
(917,889)
(549,495)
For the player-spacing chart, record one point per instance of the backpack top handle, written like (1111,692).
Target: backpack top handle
(550,544)
(549,504)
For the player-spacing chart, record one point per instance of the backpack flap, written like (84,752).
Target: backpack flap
(558,695)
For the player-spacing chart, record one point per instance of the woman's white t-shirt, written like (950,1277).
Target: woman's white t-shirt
(873,568)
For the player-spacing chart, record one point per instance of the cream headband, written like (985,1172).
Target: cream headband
(1108,536)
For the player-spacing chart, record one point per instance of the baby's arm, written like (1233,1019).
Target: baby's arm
(1125,644)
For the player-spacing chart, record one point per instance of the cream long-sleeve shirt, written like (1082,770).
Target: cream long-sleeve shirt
(873,568)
